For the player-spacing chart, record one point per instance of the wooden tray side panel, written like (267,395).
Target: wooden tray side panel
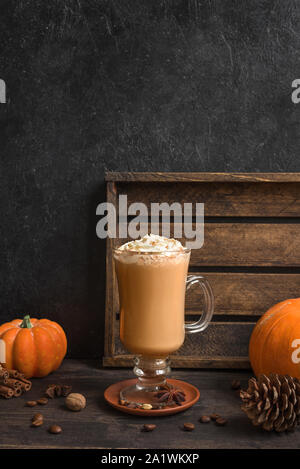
(111,304)
(251,256)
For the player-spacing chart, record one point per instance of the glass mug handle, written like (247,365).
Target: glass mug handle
(208,309)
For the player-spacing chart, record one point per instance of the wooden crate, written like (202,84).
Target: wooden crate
(251,256)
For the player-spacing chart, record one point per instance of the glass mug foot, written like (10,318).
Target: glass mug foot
(151,391)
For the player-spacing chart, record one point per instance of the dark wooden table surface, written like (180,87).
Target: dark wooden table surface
(100,426)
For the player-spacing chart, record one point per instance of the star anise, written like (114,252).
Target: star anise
(170,395)
(58,390)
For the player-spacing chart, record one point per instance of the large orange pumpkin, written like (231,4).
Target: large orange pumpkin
(275,341)
(35,347)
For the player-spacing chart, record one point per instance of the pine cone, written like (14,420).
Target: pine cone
(273,402)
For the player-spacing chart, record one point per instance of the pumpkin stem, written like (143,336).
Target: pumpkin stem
(26,324)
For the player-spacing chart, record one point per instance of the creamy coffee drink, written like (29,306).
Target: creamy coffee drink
(152,276)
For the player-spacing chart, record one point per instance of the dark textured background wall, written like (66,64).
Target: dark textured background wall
(139,85)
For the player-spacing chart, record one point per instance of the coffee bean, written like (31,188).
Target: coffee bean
(37,420)
(221,422)
(42,401)
(31,403)
(148,427)
(215,416)
(235,384)
(188,427)
(132,406)
(205,419)
(37,423)
(55,429)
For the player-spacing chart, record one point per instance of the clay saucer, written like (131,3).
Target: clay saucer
(111,395)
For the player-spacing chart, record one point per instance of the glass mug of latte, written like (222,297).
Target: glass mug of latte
(152,280)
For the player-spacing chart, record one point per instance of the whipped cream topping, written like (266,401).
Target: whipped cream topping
(152,243)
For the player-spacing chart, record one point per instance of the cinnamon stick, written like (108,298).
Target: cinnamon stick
(25,383)
(17,392)
(13,383)
(25,386)
(15,374)
(4,373)
(6,392)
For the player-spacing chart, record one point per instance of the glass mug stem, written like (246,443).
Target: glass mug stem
(151,372)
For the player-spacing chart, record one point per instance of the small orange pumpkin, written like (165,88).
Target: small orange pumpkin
(275,341)
(35,347)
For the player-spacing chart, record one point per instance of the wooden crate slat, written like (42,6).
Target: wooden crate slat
(240,294)
(220,339)
(201,177)
(221,199)
(249,244)
(245,293)
(185,362)
(246,244)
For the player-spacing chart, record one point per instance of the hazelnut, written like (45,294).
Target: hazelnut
(75,402)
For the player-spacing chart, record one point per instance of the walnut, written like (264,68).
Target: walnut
(75,402)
